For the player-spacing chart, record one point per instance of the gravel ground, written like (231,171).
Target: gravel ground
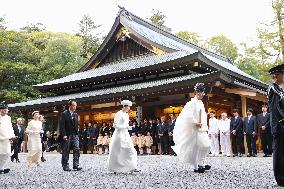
(156,172)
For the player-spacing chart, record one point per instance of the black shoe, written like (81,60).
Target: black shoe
(240,155)
(17,160)
(199,170)
(235,155)
(6,171)
(206,167)
(66,169)
(77,168)
(43,159)
(249,155)
(12,159)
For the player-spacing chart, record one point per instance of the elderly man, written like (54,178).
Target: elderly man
(19,132)
(224,128)
(6,134)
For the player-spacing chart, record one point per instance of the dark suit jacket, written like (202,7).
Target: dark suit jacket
(237,124)
(263,121)
(20,134)
(171,125)
(163,129)
(68,125)
(276,107)
(250,126)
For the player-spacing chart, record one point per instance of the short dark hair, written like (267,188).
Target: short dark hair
(235,110)
(70,102)
(264,106)
(212,112)
(250,110)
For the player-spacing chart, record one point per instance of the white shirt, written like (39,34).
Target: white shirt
(213,126)
(224,125)
(264,113)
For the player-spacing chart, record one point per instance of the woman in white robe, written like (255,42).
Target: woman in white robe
(190,136)
(34,130)
(6,134)
(122,154)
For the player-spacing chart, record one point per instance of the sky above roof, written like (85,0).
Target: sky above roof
(237,20)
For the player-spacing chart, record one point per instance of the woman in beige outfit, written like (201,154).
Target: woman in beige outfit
(34,141)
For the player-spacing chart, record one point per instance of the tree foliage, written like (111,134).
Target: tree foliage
(158,19)
(191,37)
(220,44)
(88,33)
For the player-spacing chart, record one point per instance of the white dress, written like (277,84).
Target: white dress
(6,133)
(34,141)
(191,143)
(122,154)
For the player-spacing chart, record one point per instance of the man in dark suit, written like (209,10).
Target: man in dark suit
(45,131)
(171,123)
(263,123)
(69,135)
(19,132)
(164,135)
(250,131)
(236,127)
(276,107)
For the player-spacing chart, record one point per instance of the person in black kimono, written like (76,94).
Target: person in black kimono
(144,127)
(19,132)
(154,132)
(85,135)
(236,127)
(164,135)
(250,131)
(276,107)
(263,123)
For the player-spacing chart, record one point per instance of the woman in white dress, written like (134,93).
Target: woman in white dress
(122,154)
(33,131)
(190,133)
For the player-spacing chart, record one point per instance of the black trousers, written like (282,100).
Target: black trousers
(16,146)
(73,141)
(266,142)
(251,144)
(165,144)
(85,146)
(238,144)
(278,159)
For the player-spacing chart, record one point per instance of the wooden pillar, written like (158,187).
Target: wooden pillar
(244,112)
(244,106)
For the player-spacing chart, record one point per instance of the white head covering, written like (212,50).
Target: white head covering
(126,103)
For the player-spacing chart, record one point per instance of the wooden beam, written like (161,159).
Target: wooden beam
(243,92)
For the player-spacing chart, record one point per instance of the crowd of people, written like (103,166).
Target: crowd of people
(155,136)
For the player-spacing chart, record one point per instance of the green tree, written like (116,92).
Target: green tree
(2,23)
(33,27)
(62,56)
(17,79)
(271,39)
(191,37)
(88,33)
(220,44)
(158,19)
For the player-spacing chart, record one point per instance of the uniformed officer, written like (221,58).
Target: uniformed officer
(276,106)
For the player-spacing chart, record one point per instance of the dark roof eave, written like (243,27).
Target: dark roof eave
(209,62)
